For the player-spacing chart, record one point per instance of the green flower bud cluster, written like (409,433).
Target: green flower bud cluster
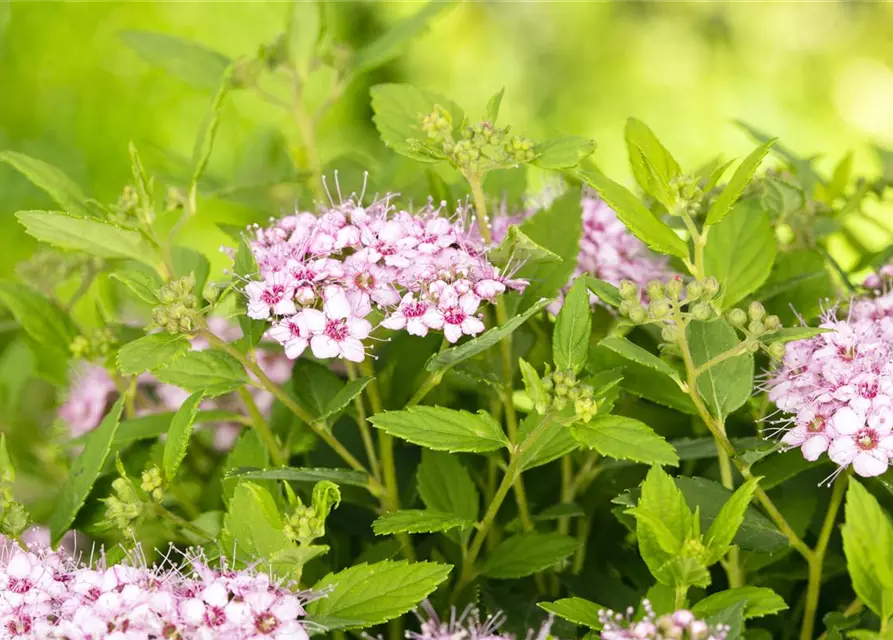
(178,309)
(686,191)
(664,298)
(562,388)
(152,482)
(97,346)
(755,324)
(519,150)
(125,507)
(304,525)
(175,199)
(438,125)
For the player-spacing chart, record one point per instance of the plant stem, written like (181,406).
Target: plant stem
(260,424)
(700,241)
(732,564)
(308,135)
(430,382)
(817,559)
(681,592)
(508,480)
(320,429)
(567,491)
(365,432)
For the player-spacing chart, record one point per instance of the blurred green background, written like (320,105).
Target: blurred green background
(819,75)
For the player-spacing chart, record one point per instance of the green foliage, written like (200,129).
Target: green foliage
(151,352)
(727,385)
(212,371)
(178,435)
(443,429)
(526,554)
(187,60)
(62,189)
(573,326)
(740,179)
(625,439)
(759,602)
(418,521)
(868,545)
(577,610)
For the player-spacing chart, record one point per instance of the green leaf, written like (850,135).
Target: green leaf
(526,554)
(151,352)
(186,261)
(663,501)
(802,167)
(84,471)
(179,433)
(625,439)
(399,109)
(213,371)
(727,385)
(315,386)
(577,610)
(445,485)
(454,355)
(443,429)
(303,474)
(740,252)
(653,166)
(638,219)
(345,396)
(562,153)
(606,292)
(42,320)
(796,286)
(732,618)
(7,470)
(756,533)
(759,602)
(249,451)
(493,104)
(634,353)
(517,248)
(533,384)
(14,519)
(368,594)
(187,60)
(62,189)
(554,442)
(868,546)
(740,179)
(573,326)
(153,425)
(730,518)
(418,521)
(781,199)
(391,44)
(94,237)
(793,334)
(715,175)
(255,525)
(557,229)
(140,283)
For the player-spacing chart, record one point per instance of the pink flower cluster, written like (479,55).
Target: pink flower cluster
(608,250)
(47,596)
(881,280)
(93,389)
(680,625)
(322,277)
(837,388)
(468,626)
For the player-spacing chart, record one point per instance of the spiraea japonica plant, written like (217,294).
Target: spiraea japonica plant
(495,394)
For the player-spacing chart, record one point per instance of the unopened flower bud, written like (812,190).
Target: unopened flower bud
(628,290)
(772,323)
(737,317)
(751,345)
(655,289)
(638,315)
(669,334)
(673,288)
(756,311)
(693,290)
(659,308)
(756,328)
(711,287)
(777,350)
(701,311)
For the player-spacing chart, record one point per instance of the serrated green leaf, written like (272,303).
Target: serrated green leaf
(638,219)
(454,355)
(418,521)
(532,384)
(730,518)
(633,352)
(140,283)
(740,179)
(526,554)
(740,252)
(178,435)
(187,60)
(792,334)
(492,111)
(213,371)
(725,386)
(443,429)
(606,292)
(92,236)
(83,474)
(315,386)
(781,199)
(732,618)
(562,153)
(653,166)
(554,442)
(573,327)
(303,474)
(663,501)
(445,485)
(253,528)
(150,352)
(399,109)
(758,601)
(391,43)
(625,439)
(368,594)
(62,189)
(517,248)
(577,610)
(344,397)
(868,546)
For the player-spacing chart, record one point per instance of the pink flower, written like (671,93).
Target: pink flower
(416,316)
(458,318)
(294,332)
(340,330)
(679,624)
(864,443)
(87,399)
(272,296)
